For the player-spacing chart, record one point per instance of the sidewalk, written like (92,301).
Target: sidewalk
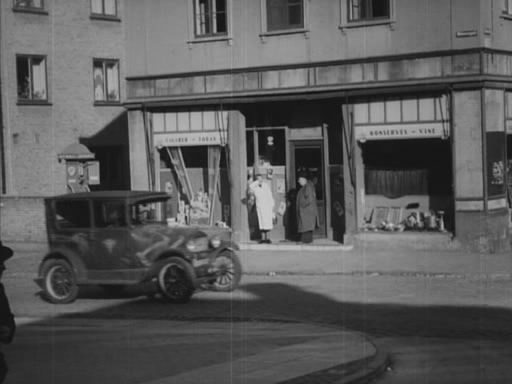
(343,259)
(368,260)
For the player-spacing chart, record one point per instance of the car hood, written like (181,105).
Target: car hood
(181,234)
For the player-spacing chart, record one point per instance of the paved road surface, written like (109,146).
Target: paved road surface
(438,328)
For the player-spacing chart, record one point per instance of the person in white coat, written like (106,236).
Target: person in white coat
(264,205)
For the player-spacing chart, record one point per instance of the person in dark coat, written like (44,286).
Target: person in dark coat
(7,324)
(307,211)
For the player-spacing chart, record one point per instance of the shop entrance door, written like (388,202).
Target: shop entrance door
(308,156)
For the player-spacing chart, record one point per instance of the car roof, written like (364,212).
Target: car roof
(114,195)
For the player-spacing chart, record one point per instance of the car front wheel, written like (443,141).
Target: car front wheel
(229,272)
(59,282)
(176,280)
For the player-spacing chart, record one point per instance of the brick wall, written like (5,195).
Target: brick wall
(35,134)
(22,219)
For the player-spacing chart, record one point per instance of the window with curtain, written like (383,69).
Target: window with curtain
(210,17)
(285,14)
(366,10)
(106,80)
(394,183)
(104,7)
(31,77)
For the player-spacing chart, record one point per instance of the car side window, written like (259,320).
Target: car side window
(72,214)
(109,214)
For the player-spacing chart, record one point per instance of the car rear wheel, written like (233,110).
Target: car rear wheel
(59,282)
(176,280)
(229,272)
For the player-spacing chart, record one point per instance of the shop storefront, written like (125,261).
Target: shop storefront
(206,159)
(191,165)
(405,167)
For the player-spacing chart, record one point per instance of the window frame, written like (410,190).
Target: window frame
(346,22)
(31,100)
(212,19)
(194,38)
(506,12)
(104,62)
(287,31)
(29,8)
(103,15)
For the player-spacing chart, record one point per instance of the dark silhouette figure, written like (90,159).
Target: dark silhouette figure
(7,324)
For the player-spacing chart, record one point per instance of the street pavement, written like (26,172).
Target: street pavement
(444,317)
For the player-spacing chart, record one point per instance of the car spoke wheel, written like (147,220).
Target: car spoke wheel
(229,271)
(59,282)
(176,280)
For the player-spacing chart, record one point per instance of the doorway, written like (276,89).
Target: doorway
(308,157)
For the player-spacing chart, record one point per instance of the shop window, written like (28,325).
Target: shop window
(367,10)
(284,14)
(106,81)
(271,147)
(210,17)
(377,112)
(31,78)
(266,147)
(28,4)
(106,8)
(427,109)
(395,168)
(410,109)
(393,111)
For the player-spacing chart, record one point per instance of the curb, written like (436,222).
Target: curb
(355,372)
(294,247)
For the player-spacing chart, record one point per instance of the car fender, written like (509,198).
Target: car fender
(160,260)
(227,246)
(71,257)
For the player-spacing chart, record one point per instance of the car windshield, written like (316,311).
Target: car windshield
(146,212)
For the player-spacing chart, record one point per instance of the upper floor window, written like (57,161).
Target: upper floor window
(210,17)
(104,7)
(507,7)
(28,4)
(106,80)
(363,10)
(285,14)
(31,77)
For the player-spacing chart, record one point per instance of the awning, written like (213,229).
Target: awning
(76,151)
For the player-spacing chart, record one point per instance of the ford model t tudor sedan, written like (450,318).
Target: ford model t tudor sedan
(120,238)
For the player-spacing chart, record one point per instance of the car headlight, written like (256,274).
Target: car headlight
(215,242)
(191,245)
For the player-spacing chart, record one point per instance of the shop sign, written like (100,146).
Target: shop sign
(399,131)
(183,139)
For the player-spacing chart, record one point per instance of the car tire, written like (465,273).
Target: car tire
(59,282)
(176,280)
(230,271)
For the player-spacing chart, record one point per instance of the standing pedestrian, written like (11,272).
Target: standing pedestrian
(264,205)
(307,211)
(7,324)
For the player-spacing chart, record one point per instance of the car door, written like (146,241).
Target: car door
(112,243)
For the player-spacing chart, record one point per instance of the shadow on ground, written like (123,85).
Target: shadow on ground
(283,302)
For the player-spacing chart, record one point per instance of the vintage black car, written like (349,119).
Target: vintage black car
(120,238)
